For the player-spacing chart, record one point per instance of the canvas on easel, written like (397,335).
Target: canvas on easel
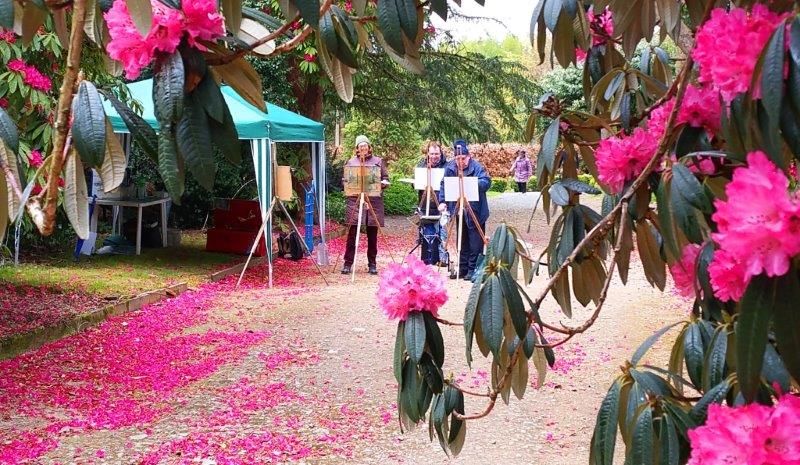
(421,178)
(452,188)
(371,181)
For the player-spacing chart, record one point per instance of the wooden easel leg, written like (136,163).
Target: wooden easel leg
(358,235)
(305,246)
(460,236)
(255,245)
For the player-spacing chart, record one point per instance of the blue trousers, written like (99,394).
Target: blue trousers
(471,247)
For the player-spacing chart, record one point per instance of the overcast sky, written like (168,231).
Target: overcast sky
(514,14)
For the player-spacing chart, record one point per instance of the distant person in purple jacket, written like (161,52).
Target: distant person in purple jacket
(522,170)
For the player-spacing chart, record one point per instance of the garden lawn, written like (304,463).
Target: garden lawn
(123,275)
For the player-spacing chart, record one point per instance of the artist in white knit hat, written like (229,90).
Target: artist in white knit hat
(363,154)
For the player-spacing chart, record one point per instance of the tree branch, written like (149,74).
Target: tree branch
(45,217)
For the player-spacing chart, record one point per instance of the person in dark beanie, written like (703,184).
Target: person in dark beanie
(471,240)
(364,150)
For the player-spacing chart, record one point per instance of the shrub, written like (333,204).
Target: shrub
(399,198)
(498,185)
(335,206)
(588,179)
(532,184)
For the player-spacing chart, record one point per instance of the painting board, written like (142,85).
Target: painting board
(452,191)
(372,180)
(421,178)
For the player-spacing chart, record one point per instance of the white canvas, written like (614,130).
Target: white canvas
(452,189)
(421,178)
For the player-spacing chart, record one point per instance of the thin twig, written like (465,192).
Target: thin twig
(446,322)
(466,391)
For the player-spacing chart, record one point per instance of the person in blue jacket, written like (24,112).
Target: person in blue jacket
(471,240)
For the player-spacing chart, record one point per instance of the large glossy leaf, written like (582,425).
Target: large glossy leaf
(654,267)
(694,351)
(552,10)
(665,220)
(432,375)
(168,164)
(433,336)
(755,313)
(89,125)
(339,74)
(251,32)
(8,131)
(112,171)
(772,76)
(514,301)
(687,186)
(648,343)
(491,314)
(440,8)
(641,450)
(389,22)
(787,324)
(76,202)
(604,438)
(715,395)
(547,155)
(194,143)
(226,137)
(670,447)
(143,134)
(714,362)
(407,10)
(519,378)
(168,89)
(415,336)
(309,10)
(470,311)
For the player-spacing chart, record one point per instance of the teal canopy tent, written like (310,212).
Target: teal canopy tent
(263,130)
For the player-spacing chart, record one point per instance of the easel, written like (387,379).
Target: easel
(428,193)
(461,204)
(268,215)
(363,199)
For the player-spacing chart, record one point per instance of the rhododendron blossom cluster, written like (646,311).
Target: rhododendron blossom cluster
(758,227)
(749,435)
(412,287)
(601,26)
(622,158)
(728,46)
(197,20)
(32,77)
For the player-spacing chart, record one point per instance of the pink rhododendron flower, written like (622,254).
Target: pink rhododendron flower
(580,54)
(199,19)
(3,102)
(683,271)
(759,223)
(35,158)
(601,26)
(749,435)
(701,108)
(727,47)
(622,158)
(412,287)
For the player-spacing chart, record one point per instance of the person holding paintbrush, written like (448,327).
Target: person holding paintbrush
(364,158)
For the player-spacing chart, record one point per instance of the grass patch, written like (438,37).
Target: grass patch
(123,275)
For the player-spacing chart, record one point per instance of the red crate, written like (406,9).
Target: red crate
(233,241)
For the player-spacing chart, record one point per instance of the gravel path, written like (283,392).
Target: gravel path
(302,373)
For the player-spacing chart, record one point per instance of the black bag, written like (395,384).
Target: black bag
(290,246)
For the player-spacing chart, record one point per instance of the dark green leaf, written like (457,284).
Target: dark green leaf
(432,374)
(516,308)
(143,134)
(644,61)
(168,165)
(409,392)
(787,324)
(614,85)
(790,129)
(415,336)
(226,137)
(327,32)
(530,342)
(168,89)
(194,143)
(440,8)
(715,395)
(491,314)
(270,22)
(209,95)
(604,438)
(685,216)
(774,371)
(89,125)
(670,447)
(755,313)
(399,352)
(309,10)
(636,397)
(547,155)
(434,338)
(552,10)
(389,22)
(451,396)
(665,220)
(772,76)
(408,18)
(694,352)
(687,186)
(8,130)
(651,383)
(688,140)
(580,186)
(548,351)
(683,421)
(641,450)
(637,356)
(714,369)
(471,310)
(455,423)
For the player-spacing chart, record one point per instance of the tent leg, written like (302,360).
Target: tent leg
(255,245)
(305,246)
